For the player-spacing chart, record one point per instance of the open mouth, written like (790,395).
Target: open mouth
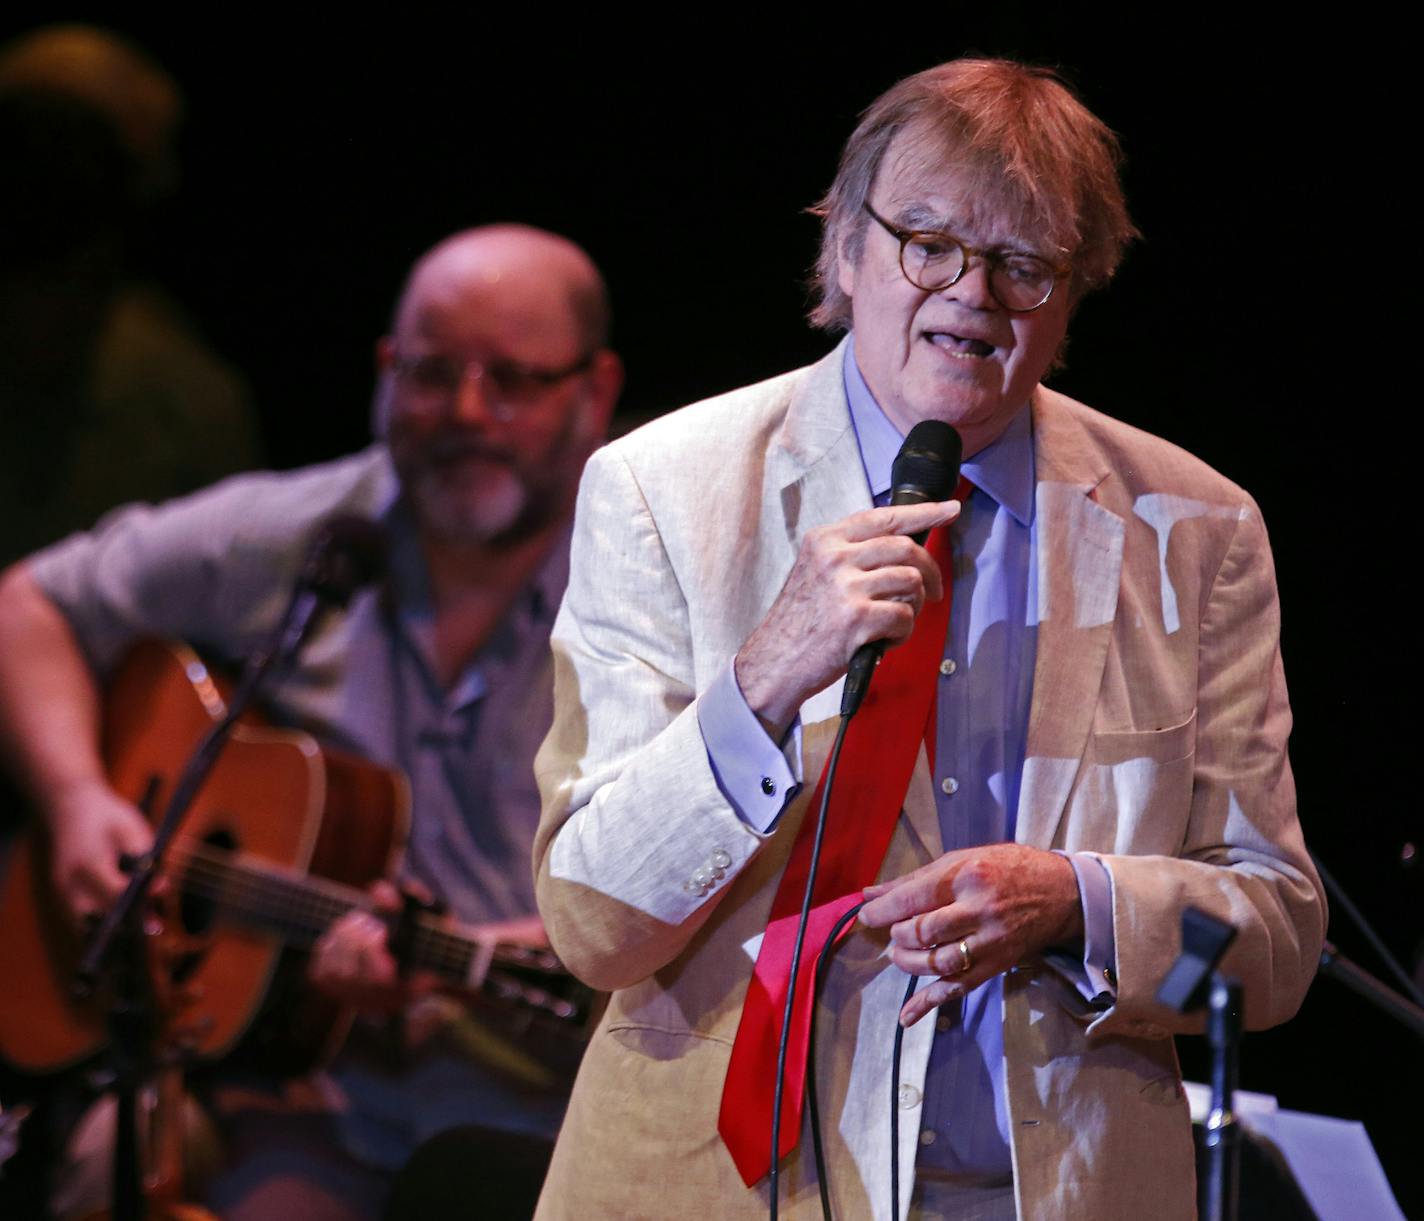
(962,346)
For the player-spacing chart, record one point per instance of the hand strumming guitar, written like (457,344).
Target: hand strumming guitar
(90,828)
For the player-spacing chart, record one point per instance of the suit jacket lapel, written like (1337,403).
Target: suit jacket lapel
(817,468)
(1079,566)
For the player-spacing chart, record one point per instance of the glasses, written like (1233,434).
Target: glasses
(510,386)
(932,260)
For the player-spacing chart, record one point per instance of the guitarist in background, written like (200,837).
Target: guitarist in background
(495,384)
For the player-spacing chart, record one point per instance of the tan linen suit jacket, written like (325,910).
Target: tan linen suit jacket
(1157,739)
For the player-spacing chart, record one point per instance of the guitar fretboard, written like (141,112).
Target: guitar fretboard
(297,909)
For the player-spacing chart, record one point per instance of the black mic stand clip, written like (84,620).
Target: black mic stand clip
(1193,983)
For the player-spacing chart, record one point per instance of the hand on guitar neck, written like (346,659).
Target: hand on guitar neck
(353,962)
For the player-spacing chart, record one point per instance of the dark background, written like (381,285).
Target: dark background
(1260,323)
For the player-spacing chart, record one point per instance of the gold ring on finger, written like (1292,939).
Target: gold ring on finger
(968,958)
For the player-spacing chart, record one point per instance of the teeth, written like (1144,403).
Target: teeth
(961,347)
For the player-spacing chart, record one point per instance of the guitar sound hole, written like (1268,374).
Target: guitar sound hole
(203,882)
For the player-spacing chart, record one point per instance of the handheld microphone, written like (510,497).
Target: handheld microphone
(924,471)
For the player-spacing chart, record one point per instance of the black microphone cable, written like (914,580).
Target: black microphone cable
(895,1104)
(796,949)
(925,469)
(812,1103)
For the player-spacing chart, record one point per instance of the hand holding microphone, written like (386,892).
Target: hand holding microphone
(856,582)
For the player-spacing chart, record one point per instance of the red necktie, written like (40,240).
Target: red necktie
(877,759)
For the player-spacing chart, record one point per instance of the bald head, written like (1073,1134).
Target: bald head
(496,382)
(530,275)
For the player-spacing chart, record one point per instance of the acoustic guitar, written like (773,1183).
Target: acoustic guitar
(282,840)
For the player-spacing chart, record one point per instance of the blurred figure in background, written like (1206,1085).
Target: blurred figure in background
(495,383)
(107,393)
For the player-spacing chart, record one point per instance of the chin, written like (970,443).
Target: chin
(487,514)
(954,406)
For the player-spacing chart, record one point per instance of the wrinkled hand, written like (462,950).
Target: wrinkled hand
(90,827)
(1006,902)
(352,961)
(858,580)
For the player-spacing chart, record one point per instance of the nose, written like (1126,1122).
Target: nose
(472,402)
(972,288)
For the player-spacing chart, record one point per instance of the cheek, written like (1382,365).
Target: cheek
(400,443)
(409,426)
(1034,349)
(544,437)
(409,444)
(884,324)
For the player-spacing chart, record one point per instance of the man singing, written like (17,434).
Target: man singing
(1104,742)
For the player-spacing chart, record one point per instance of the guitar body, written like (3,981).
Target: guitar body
(275,795)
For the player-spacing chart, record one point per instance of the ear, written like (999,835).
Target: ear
(381,399)
(845,268)
(604,385)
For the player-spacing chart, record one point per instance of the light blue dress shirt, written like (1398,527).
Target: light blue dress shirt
(986,682)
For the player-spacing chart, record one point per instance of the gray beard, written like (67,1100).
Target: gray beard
(452,522)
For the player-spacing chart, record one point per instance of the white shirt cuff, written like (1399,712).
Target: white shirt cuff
(756,775)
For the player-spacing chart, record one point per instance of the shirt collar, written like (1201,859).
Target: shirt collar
(408,602)
(1003,469)
(408,583)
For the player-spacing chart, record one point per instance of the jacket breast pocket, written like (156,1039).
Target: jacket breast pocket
(1133,794)
(1160,745)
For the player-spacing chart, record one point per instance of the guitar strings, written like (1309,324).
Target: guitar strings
(304,907)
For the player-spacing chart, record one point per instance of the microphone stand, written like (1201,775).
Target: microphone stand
(1384,998)
(1192,982)
(116,949)
(1221,1191)
(1406,1007)
(288,640)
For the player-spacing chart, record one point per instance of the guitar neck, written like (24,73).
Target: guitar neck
(297,909)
